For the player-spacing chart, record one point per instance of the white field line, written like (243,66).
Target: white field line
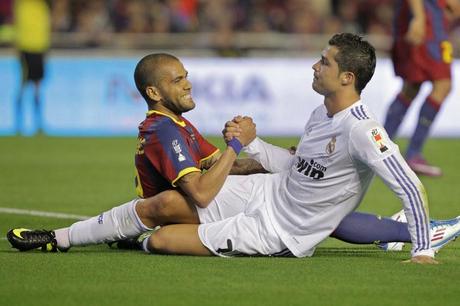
(49,214)
(28,212)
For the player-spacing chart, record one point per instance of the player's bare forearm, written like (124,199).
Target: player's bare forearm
(245,166)
(203,187)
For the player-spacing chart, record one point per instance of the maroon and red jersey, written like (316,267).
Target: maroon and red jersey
(430,60)
(167,150)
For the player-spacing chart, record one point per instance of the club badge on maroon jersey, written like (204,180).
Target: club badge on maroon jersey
(377,138)
(178,150)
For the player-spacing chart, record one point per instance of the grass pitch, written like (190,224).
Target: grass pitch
(88,175)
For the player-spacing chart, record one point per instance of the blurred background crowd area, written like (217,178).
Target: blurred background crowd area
(229,27)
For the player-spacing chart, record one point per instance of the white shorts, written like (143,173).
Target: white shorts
(232,199)
(237,222)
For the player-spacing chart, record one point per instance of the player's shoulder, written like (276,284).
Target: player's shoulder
(358,115)
(360,112)
(368,135)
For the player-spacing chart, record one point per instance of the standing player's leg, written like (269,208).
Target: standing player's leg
(38,117)
(18,116)
(37,76)
(427,115)
(398,108)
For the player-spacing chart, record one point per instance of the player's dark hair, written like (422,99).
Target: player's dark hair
(355,55)
(148,71)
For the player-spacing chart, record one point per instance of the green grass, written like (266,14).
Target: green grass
(88,175)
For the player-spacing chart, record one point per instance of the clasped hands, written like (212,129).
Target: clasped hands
(241,128)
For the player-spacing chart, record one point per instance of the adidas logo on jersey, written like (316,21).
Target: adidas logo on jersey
(311,169)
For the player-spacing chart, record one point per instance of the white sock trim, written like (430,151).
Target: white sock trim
(62,237)
(145,244)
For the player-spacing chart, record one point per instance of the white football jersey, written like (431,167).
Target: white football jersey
(336,158)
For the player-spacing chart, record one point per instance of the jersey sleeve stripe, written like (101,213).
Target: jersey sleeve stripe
(420,207)
(184,172)
(360,114)
(211,155)
(409,196)
(422,241)
(361,107)
(355,114)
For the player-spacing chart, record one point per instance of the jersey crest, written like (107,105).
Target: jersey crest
(178,150)
(330,147)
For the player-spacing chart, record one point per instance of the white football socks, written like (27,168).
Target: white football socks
(62,238)
(119,223)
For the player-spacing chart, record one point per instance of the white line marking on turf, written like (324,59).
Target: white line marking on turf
(38,213)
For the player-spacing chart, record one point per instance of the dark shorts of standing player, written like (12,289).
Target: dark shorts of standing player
(32,66)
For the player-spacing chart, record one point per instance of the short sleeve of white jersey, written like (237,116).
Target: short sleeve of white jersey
(370,144)
(272,158)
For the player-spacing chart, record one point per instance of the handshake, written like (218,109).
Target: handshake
(241,128)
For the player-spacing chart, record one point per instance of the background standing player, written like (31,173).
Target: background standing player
(421,52)
(32,27)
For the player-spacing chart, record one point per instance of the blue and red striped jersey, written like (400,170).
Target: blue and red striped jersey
(167,150)
(436,20)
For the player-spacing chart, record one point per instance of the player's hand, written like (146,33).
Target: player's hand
(231,129)
(422,259)
(248,130)
(416,32)
(238,118)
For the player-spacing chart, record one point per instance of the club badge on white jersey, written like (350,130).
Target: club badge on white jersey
(330,147)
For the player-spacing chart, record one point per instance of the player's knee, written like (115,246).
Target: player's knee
(160,206)
(158,242)
(410,90)
(441,90)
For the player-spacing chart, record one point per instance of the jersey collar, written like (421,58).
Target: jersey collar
(180,123)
